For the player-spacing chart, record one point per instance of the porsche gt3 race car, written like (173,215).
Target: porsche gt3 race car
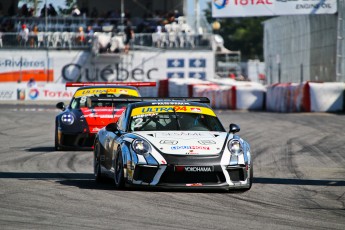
(172,144)
(77,124)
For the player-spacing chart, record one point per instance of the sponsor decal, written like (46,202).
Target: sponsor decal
(57,94)
(146,115)
(190,147)
(220,4)
(206,142)
(191,152)
(97,91)
(172,109)
(6,94)
(170,103)
(179,168)
(168,142)
(195,110)
(33,94)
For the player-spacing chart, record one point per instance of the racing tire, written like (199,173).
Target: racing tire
(56,144)
(118,171)
(97,164)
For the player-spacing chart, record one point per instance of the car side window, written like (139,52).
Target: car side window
(121,122)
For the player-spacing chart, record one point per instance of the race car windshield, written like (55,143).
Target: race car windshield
(175,121)
(81,102)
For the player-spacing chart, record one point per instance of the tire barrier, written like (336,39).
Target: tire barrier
(288,97)
(239,95)
(306,97)
(223,94)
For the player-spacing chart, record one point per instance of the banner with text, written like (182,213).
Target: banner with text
(81,66)
(248,8)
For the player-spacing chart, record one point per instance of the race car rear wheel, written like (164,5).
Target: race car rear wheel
(97,163)
(118,171)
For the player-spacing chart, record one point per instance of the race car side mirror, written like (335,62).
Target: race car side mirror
(60,105)
(233,128)
(111,127)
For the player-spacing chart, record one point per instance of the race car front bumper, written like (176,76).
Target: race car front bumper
(167,176)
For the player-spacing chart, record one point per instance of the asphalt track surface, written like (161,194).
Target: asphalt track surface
(299,183)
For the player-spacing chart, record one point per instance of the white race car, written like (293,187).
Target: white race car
(172,143)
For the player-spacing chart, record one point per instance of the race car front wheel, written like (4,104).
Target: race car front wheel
(97,164)
(118,171)
(56,145)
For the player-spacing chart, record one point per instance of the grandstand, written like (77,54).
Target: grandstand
(98,40)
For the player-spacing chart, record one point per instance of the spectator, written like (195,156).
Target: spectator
(32,83)
(51,10)
(89,35)
(44,11)
(33,39)
(129,36)
(81,36)
(75,11)
(23,35)
(24,11)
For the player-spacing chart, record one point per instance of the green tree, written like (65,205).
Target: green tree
(243,34)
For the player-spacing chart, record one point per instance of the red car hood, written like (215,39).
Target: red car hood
(98,117)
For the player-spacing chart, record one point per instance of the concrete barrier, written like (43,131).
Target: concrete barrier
(327,96)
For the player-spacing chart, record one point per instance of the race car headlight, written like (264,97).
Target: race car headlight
(141,147)
(67,119)
(235,147)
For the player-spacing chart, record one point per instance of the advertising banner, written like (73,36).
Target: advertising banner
(8,92)
(48,92)
(82,66)
(248,8)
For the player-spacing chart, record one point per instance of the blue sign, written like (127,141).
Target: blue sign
(175,63)
(175,75)
(198,75)
(197,63)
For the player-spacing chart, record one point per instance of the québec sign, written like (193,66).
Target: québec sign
(248,8)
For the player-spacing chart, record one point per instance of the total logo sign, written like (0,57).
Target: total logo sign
(220,4)
(33,93)
(49,94)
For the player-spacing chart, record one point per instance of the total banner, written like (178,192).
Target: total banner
(249,8)
(46,92)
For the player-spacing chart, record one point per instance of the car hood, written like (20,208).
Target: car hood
(98,117)
(187,142)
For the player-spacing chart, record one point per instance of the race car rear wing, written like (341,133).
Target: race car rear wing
(114,100)
(135,84)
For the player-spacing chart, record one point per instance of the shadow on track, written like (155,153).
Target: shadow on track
(41,149)
(264,180)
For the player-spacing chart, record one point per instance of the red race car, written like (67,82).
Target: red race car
(77,124)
